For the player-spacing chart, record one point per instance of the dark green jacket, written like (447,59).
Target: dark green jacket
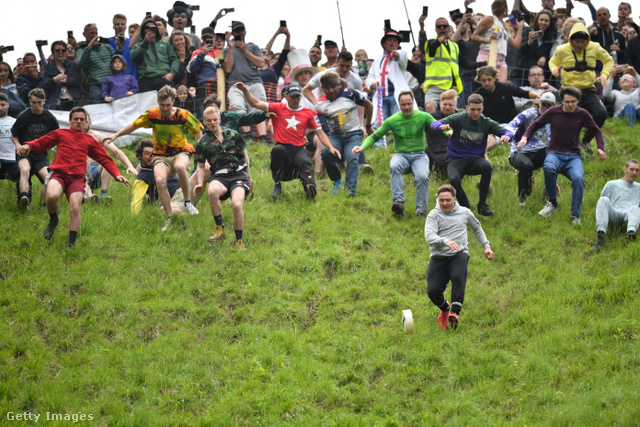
(95,62)
(153,65)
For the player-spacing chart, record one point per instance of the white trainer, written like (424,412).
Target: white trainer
(191,209)
(548,210)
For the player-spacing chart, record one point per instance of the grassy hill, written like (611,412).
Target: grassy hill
(140,327)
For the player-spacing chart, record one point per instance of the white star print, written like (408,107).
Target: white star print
(292,122)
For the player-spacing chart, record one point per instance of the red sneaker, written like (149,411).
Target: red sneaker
(443,319)
(454,320)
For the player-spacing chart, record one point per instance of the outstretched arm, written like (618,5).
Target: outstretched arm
(124,131)
(325,141)
(252,100)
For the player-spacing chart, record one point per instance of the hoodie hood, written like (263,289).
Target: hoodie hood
(580,28)
(124,61)
(145,22)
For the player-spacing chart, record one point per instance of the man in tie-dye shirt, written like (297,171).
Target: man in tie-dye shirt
(171,150)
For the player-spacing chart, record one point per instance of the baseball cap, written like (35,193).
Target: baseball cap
(292,90)
(548,98)
(237,24)
(330,42)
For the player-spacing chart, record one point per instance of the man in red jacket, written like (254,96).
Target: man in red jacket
(67,173)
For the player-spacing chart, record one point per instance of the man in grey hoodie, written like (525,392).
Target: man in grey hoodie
(446,234)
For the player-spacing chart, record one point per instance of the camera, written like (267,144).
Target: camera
(237,38)
(103,40)
(70,35)
(425,10)
(41,43)
(319,38)
(283,23)
(209,42)
(194,7)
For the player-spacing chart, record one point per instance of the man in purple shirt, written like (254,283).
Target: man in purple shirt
(563,151)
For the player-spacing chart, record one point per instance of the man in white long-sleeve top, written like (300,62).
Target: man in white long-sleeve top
(446,234)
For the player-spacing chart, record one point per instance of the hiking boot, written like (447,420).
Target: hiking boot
(310,190)
(397,207)
(443,319)
(337,187)
(191,210)
(600,243)
(51,228)
(586,146)
(484,209)
(239,245)
(454,320)
(23,203)
(218,235)
(548,210)
(276,192)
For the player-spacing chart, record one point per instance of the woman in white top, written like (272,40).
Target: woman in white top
(626,101)
(485,33)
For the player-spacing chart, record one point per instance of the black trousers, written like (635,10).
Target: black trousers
(458,168)
(149,84)
(526,163)
(589,101)
(289,162)
(439,272)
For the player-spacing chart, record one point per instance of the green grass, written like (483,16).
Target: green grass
(139,327)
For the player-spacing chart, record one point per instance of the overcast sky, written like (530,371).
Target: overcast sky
(362,20)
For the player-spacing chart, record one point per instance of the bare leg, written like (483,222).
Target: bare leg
(105,179)
(54,192)
(261,128)
(216,190)
(237,200)
(42,173)
(161,172)
(75,207)
(25,170)
(181,166)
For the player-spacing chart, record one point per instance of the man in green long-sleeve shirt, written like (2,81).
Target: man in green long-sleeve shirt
(407,127)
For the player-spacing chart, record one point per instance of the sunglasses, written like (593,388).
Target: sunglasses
(60,50)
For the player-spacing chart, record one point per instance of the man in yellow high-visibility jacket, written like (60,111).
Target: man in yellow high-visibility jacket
(442,70)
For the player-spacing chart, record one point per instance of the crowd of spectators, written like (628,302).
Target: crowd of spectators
(161,50)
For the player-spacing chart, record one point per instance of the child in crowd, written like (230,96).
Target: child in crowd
(119,84)
(187,100)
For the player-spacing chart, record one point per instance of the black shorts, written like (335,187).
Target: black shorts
(35,163)
(9,171)
(231,181)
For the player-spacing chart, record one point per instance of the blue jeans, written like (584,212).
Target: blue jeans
(389,106)
(629,112)
(95,93)
(417,163)
(569,165)
(344,143)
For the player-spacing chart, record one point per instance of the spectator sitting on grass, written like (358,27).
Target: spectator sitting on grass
(619,204)
(626,101)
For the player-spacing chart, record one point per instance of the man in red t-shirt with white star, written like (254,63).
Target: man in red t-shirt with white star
(289,159)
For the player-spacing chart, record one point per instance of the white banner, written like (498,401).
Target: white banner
(109,118)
